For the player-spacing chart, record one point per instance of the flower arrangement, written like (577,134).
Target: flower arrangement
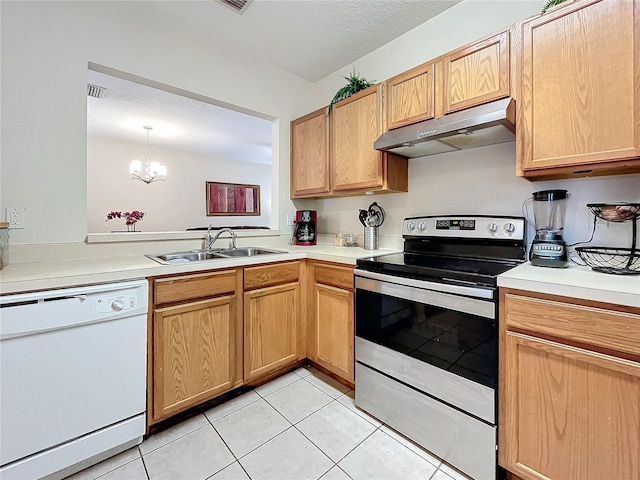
(130,218)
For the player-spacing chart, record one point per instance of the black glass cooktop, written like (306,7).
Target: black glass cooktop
(438,268)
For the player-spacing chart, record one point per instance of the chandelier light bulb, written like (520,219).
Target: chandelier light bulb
(136,167)
(153,171)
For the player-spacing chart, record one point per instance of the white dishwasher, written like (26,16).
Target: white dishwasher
(72,377)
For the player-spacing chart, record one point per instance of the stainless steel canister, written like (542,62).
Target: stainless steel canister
(370,238)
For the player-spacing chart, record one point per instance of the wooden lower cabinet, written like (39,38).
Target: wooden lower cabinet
(568,410)
(331,319)
(193,353)
(271,329)
(195,340)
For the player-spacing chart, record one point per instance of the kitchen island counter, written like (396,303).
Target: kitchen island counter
(26,277)
(576,282)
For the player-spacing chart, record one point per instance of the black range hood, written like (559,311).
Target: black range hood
(479,126)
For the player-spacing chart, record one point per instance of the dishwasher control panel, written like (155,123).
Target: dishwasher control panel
(117,303)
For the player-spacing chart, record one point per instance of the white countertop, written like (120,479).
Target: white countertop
(575,281)
(24,277)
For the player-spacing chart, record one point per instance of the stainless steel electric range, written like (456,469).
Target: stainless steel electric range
(427,334)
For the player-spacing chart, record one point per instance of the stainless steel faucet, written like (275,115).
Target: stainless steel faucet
(211,239)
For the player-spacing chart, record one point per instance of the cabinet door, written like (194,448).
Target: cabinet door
(410,96)
(310,155)
(334,333)
(271,317)
(356,124)
(568,413)
(581,85)
(477,74)
(193,354)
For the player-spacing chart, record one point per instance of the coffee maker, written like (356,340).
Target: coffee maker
(548,248)
(305,231)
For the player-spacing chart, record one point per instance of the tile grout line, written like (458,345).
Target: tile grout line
(109,471)
(144,464)
(175,439)
(253,449)
(415,453)
(335,464)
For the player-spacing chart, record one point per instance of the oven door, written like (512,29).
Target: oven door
(443,343)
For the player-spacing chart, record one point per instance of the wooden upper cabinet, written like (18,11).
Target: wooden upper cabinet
(477,73)
(310,155)
(356,123)
(580,105)
(410,96)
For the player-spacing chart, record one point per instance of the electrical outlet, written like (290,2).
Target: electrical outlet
(15,217)
(291,219)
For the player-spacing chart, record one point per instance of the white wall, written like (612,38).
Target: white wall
(176,204)
(478,181)
(45,48)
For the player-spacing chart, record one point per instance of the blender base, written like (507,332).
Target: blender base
(549,253)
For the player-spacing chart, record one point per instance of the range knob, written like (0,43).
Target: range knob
(422,226)
(492,227)
(509,227)
(411,226)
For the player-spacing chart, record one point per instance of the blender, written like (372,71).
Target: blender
(548,248)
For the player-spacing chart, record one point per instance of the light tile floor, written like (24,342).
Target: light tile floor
(302,425)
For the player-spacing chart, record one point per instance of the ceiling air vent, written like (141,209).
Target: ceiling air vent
(95,91)
(237,5)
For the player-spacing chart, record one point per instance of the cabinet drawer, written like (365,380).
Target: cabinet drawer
(609,329)
(189,287)
(266,275)
(334,275)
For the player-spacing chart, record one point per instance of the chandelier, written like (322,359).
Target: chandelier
(153,171)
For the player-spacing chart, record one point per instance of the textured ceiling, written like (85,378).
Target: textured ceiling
(178,122)
(309,38)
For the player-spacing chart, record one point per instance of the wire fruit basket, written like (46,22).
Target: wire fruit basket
(619,261)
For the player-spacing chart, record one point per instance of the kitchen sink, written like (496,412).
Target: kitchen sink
(204,255)
(248,252)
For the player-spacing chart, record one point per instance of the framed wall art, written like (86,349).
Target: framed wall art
(232,199)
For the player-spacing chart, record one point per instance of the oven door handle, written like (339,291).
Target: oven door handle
(477,292)
(481,308)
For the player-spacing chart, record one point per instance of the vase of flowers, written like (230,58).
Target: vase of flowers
(131,218)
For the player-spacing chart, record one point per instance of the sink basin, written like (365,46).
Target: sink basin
(185,257)
(204,255)
(248,252)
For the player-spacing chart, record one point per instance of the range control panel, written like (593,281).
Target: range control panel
(465,226)
(455,224)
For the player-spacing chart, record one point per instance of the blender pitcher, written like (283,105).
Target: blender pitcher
(548,248)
